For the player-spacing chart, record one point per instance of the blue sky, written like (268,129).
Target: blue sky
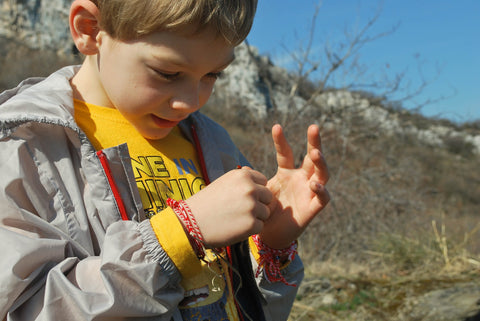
(440,36)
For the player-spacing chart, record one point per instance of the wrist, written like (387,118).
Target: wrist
(189,223)
(271,261)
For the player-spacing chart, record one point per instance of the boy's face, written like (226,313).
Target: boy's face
(157,81)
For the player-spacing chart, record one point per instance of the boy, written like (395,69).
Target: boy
(163,230)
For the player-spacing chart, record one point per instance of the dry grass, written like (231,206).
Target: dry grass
(384,287)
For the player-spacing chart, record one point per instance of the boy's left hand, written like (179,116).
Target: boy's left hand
(299,193)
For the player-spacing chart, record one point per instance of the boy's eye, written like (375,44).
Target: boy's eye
(168,75)
(174,75)
(215,75)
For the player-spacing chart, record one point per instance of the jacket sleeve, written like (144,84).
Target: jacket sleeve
(279,297)
(61,258)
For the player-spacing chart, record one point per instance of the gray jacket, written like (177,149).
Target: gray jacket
(66,254)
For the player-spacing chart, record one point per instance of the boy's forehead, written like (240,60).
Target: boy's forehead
(181,49)
(174,58)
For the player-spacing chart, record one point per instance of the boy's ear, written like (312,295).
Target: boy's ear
(84,26)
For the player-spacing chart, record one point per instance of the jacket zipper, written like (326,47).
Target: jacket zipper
(116,194)
(201,159)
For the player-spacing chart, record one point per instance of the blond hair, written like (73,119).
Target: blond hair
(131,19)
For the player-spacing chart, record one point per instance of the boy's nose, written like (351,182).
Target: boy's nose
(187,100)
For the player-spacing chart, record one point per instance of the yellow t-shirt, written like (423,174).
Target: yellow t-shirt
(166,168)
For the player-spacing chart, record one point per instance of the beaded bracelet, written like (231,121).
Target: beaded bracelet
(182,210)
(269,261)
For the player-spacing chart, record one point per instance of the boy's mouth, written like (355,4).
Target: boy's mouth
(164,123)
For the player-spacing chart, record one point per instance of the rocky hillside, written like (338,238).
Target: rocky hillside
(252,80)
(40,24)
(261,86)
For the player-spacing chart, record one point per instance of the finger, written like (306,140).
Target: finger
(273,204)
(284,151)
(320,167)
(323,196)
(262,212)
(254,175)
(315,167)
(315,155)
(313,138)
(264,195)
(257,227)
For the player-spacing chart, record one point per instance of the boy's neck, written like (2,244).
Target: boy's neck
(85,85)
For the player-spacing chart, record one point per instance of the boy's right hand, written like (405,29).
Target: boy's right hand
(232,208)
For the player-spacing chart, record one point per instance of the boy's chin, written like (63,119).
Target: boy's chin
(156,134)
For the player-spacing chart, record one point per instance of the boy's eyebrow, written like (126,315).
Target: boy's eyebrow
(182,64)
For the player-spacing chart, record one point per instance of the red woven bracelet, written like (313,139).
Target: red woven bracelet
(182,210)
(269,262)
